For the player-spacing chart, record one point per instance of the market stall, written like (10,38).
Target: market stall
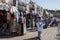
(3,18)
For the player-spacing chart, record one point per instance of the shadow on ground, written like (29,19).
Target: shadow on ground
(31,30)
(8,35)
(35,38)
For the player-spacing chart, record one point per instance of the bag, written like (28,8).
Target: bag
(15,18)
(8,16)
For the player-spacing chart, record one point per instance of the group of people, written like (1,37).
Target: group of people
(17,20)
(40,23)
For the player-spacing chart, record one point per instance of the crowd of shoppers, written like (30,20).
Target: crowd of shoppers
(16,19)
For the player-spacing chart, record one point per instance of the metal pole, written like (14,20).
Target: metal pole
(14,2)
(17,3)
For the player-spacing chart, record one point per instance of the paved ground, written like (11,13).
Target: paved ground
(48,34)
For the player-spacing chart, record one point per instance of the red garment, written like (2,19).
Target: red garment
(22,20)
(30,10)
(15,17)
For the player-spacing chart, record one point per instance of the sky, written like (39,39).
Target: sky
(47,4)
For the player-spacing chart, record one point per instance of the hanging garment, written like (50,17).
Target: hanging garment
(20,8)
(8,16)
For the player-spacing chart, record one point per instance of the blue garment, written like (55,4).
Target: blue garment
(39,34)
(40,25)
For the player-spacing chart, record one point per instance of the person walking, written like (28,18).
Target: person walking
(39,23)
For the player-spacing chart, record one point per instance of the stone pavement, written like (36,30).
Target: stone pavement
(48,34)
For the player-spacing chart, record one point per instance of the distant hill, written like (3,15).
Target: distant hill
(55,13)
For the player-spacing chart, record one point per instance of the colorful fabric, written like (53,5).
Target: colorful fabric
(20,8)
(22,20)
